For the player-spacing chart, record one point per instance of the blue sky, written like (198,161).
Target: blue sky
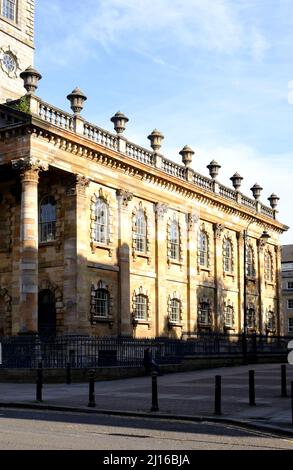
(213,74)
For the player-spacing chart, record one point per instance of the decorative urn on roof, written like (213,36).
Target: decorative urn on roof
(186,154)
(30,77)
(120,121)
(77,99)
(156,138)
(213,168)
(236,181)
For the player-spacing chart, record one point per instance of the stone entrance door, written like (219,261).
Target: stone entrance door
(47,313)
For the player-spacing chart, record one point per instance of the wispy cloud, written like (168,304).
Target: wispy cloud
(150,25)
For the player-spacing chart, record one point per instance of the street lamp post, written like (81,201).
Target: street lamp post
(264,237)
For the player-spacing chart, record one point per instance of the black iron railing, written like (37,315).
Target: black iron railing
(88,352)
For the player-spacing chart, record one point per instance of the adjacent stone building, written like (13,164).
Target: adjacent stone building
(101,236)
(287,287)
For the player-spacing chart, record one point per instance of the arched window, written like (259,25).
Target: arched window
(269,267)
(229,315)
(141,307)
(251,318)
(101,303)
(175,241)
(228,260)
(203,249)
(175,308)
(9,9)
(47,219)
(101,222)
(250,270)
(141,232)
(270,320)
(204,313)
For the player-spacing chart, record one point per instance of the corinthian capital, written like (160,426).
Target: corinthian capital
(160,210)
(218,230)
(125,196)
(29,168)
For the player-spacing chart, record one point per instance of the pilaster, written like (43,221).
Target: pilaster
(218,297)
(192,235)
(124,309)
(161,263)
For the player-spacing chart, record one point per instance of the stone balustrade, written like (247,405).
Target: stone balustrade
(63,120)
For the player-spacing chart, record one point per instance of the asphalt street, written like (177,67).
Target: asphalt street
(39,430)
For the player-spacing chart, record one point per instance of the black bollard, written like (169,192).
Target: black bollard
(251,388)
(283,381)
(218,395)
(92,401)
(39,382)
(155,405)
(68,373)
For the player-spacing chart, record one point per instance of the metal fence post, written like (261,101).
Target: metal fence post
(39,382)
(292,400)
(155,404)
(251,388)
(283,381)
(92,401)
(218,395)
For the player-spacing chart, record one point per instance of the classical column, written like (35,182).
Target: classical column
(29,242)
(218,229)
(192,272)
(124,231)
(161,263)
(76,238)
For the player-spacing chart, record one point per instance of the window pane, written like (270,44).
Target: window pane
(47,219)
(102,222)
(141,232)
(203,313)
(174,240)
(141,307)
(290,325)
(175,310)
(101,306)
(9,9)
(203,250)
(290,303)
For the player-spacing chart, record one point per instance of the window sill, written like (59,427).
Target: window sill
(172,324)
(175,262)
(137,322)
(203,268)
(48,243)
(270,283)
(95,321)
(139,254)
(101,246)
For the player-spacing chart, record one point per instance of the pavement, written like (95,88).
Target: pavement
(181,396)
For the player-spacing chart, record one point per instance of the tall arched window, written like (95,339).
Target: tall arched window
(270,320)
(251,320)
(228,261)
(229,315)
(47,219)
(101,303)
(102,222)
(141,307)
(204,313)
(269,275)
(175,308)
(9,9)
(250,270)
(203,249)
(174,241)
(141,232)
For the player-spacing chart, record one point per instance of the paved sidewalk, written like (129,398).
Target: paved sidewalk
(187,394)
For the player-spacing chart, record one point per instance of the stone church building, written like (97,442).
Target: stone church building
(100,236)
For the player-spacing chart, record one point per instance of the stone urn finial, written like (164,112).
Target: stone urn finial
(30,77)
(120,121)
(156,138)
(213,168)
(77,99)
(256,190)
(236,181)
(274,199)
(187,154)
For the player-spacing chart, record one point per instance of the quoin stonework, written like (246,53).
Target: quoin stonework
(101,236)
